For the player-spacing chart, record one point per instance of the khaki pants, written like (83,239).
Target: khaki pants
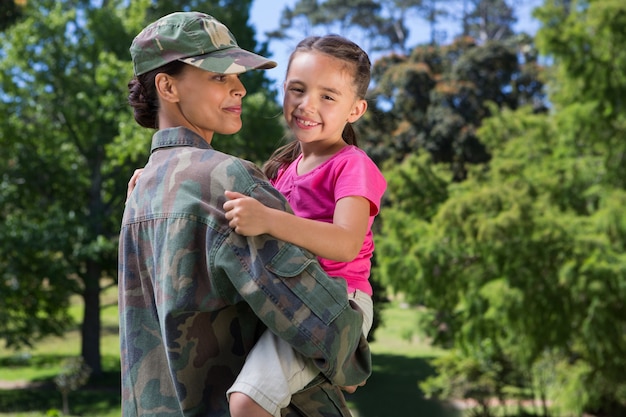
(274,370)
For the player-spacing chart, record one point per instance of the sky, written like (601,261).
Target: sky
(265,15)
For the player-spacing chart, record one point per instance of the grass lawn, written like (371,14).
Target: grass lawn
(399,357)
(400,360)
(42,363)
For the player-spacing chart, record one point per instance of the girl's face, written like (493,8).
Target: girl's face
(207,102)
(320,98)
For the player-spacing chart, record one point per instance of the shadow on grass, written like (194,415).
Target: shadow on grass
(393,391)
(95,399)
(36,361)
(86,402)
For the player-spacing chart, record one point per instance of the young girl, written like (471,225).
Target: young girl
(335,192)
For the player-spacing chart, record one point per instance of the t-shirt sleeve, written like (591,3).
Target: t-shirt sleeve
(357,175)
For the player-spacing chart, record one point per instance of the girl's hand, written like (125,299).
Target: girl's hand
(133,181)
(245,214)
(352,388)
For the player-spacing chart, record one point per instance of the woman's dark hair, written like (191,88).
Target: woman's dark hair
(142,95)
(340,48)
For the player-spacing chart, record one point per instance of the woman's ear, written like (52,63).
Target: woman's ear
(359,108)
(166,87)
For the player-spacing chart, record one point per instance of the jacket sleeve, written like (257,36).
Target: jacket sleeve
(290,292)
(321,400)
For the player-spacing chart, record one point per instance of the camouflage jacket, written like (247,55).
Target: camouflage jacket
(194,296)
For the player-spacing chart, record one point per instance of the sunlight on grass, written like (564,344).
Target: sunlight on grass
(400,356)
(399,333)
(400,359)
(45,359)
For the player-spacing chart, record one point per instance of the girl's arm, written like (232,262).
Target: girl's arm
(340,240)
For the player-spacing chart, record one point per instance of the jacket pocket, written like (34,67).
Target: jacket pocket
(326,297)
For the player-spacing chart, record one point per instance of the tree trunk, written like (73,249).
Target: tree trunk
(66,404)
(91,320)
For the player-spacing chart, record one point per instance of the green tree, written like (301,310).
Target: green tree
(489,20)
(379,25)
(62,86)
(522,266)
(435,99)
(69,147)
(434,11)
(590,92)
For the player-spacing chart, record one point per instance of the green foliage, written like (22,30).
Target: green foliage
(590,91)
(490,20)
(519,257)
(482,379)
(384,25)
(75,374)
(69,147)
(64,88)
(522,267)
(415,190)
(340,17)
(263,130)
(439,97)
(87,403)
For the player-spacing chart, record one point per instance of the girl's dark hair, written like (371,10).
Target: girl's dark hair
(142,95)
(340,48)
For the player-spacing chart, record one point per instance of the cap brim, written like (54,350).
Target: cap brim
(230,61)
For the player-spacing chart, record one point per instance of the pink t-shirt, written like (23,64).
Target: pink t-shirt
(350,172)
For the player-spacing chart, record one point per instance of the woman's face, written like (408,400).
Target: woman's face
(207,102)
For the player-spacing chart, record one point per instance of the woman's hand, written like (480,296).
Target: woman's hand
(133,181)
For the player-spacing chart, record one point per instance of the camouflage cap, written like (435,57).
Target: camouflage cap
(196,39)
